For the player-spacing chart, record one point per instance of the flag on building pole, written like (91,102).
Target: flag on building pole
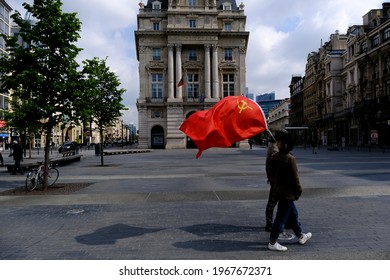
(232,119)
(180,83)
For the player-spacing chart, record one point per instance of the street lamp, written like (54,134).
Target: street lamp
(127,133)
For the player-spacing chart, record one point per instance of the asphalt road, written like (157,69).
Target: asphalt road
(167,205)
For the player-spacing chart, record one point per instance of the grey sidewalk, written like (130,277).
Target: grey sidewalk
(167,205)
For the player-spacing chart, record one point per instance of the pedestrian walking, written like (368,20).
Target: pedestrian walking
(1,160)
(250,141)
(17,153)
(272,200)
(287,188)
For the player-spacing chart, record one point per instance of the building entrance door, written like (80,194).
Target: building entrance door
(157,137)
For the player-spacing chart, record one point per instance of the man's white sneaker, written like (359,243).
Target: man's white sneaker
(304,238)
(276,247)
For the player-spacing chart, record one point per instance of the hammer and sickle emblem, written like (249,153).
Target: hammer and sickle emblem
(243,105)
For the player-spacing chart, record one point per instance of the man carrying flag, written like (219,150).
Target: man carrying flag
(232,119)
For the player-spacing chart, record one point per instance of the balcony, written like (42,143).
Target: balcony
(193,99)
(155,12)
(155,99)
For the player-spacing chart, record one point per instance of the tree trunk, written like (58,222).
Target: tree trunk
(101,145)
(47,154)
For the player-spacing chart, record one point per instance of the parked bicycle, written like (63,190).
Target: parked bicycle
(36,179)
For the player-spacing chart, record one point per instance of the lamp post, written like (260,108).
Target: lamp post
(127,133)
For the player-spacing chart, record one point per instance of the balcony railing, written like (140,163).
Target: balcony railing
(193,99)
(156,99)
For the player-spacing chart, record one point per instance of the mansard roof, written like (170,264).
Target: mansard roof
(220,2)
(164,4)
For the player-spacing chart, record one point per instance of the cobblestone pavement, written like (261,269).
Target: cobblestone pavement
(168,205)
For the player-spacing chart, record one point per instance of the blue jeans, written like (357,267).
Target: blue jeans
(285,208)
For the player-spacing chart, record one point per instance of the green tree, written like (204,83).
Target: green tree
(102,97)
(40,70)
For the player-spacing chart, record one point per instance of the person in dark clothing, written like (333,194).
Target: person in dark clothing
(287,188)
(17,153)
(1,160)
(272,201)
(250,141)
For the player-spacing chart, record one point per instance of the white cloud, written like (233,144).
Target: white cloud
(282,34)
(276,51)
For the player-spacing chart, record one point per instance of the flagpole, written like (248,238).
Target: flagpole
(270,133)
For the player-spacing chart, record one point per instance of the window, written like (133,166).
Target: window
(386,34)
(387,65)
(192,23)
(192,3)
(192,55)
(228,54)
(156,26)
(193,85)
(363,47)
(156,54)
(227,7)
(375,41)
(156,5)
(227,26)
(387,88)
(228,85)
(157,85)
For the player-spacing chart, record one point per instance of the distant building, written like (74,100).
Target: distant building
(265,97)
(5,24)
(191,54)
(296,98)
(278,117)
(346,88)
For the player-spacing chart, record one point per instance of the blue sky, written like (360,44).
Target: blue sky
(282,34)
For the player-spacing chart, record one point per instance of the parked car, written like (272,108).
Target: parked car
(67,147)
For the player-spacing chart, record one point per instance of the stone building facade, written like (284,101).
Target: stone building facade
(5,28)
(191,54)
(278,117)
(346,88)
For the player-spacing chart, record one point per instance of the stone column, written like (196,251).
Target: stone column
(179,92)
(207,66)
(171,85)
(215,72)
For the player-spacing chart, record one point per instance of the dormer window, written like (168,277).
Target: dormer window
(227,6)
(156,5)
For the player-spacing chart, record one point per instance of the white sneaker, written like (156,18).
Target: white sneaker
(276,247)
(304,238)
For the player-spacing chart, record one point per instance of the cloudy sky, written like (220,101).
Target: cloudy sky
(282,34)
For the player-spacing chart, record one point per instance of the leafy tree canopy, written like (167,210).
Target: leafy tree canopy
(41,70)
(102,96)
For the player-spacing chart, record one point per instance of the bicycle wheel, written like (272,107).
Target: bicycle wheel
(52,176)
(31,180)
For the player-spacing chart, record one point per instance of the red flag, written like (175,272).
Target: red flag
(180,83)
(232,119)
